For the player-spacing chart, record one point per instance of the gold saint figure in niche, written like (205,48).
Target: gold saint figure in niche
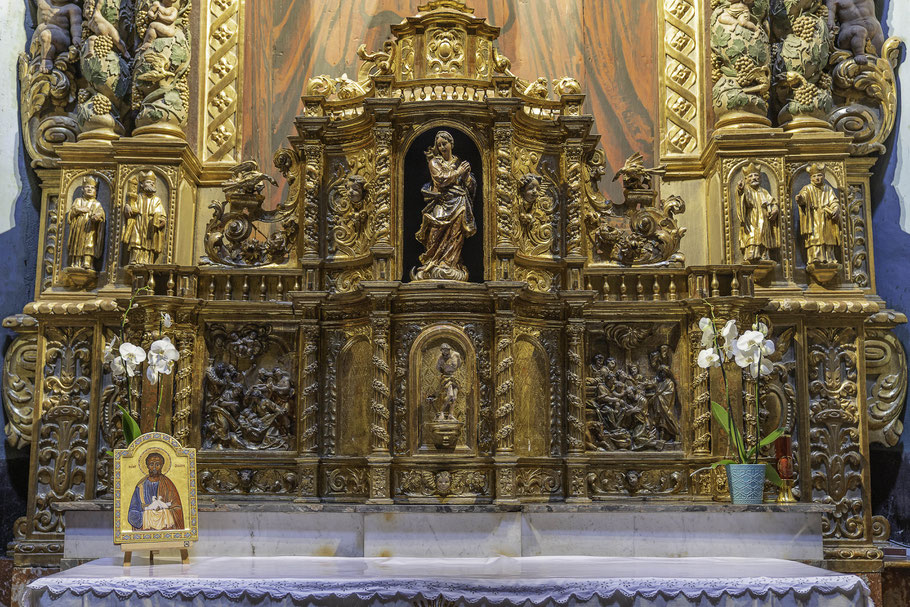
(819,212)
(758,213)
(145,221)
(86,219)
(448,217)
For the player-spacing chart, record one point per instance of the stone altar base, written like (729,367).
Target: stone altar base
(644,529)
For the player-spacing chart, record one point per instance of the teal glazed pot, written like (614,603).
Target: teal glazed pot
(747,482)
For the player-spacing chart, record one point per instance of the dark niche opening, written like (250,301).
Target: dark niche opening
(416,174)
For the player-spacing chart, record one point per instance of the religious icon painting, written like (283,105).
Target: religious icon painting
(155,491)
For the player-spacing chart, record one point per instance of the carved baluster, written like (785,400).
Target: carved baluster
(246,287)
(212,288)
(655,289)
(229,287)
(672,288)
(170,283)
(263,288)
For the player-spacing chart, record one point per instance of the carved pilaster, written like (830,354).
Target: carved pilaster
(505,430)
(379,406)
(502,140)
(682,107)
(222,56)
(309,392)
(312,176)
(183,385)
(574,156)
(575,387)
(701,397)
(382,204)
(886,379)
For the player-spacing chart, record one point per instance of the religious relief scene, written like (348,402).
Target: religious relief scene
(459,281)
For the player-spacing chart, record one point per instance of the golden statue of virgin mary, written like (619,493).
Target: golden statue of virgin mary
(448,217)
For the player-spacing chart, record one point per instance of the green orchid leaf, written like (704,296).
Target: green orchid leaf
(772,475)
(773,436)
(723,417)
(723,462)
(131,429)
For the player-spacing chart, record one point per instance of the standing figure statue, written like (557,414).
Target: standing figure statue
(86,219)
(757,211)
(858,27)
(447,365)
(145,221)
(819,213)
(448,217)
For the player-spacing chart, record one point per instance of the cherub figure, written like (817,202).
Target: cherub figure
(739,13)
(162,16)
(59,27)
(100,26)
(858,26)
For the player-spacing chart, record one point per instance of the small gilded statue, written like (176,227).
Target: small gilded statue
(448,217)
(819,213)
(757,211)
(146,219)
(86,220)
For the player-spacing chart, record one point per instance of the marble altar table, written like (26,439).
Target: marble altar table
(410,582)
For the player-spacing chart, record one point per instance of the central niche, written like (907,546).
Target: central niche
(419,193)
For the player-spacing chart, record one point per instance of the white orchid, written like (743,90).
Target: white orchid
(706,325)
(112,357)
(166,320)
(131,357)
(730,334)
(708,358)
(760,327)
(162,356)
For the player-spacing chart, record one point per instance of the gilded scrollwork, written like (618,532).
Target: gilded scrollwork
(858,245)
(538,482)
(537,204)
(650,482)
(886,377)
(20,365)
(347,482)
(443,483)
(445,51)
(247,481)
(234,235)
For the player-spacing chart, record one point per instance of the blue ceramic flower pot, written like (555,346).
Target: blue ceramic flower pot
(747,482)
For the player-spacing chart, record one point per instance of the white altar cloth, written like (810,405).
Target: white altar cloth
(406,582)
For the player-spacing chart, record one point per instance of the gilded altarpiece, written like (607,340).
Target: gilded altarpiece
(473,270)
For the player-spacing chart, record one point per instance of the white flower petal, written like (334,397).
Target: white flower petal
(166,320)
(708,358)
(151,375)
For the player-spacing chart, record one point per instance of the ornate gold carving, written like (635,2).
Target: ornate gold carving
(681,110)
(247,481)
(19,375)
(222,81)
(347,482)
(445,52)
(309,405)
(145,219)
(836,459)
(575,388)
(443,483)
(312,174)
(636,482)
(502,141)
(538,482)
(161,67)
(85,241)
(350,208)
(642,229)
(886,376)
(230,238)
(104,64)
(537,205)
(380,414)
(504,385)
(701,396)
(183,384)
(865,93)
(857,245)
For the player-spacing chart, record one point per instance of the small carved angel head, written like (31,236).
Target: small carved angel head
(528,187)
(355,188)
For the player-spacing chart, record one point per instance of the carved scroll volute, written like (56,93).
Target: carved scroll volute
(886,376)
(19,376)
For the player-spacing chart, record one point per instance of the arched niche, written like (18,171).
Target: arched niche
(415,173)
(532,398)
(354,391)
(427,389)
(74,190)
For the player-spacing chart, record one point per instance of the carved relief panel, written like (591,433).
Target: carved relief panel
(250,387)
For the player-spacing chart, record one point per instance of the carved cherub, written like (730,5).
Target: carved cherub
(98,25)
(739,13)
(59,27)
(858,26)
(162,16)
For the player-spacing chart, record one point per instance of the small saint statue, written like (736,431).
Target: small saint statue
(819,213)
(145,221)
(448,363)
(86,220)
(448,217)
(758,212)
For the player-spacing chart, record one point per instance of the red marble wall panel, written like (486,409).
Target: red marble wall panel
(609,46)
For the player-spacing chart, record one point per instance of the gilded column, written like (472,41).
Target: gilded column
(382,245)
(308,425)
(701,398)
(380,459)
(183,385)
(504,407)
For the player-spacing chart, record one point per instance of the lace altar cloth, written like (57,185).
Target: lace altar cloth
(501,581)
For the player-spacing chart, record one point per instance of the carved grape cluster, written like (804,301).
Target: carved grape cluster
(806,94)
(101,105)
(804,27)
(102,45)
(716,65)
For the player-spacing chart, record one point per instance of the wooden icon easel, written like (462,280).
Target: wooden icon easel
(154,547)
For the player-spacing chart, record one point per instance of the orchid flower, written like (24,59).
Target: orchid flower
(162,356)
(131,357)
